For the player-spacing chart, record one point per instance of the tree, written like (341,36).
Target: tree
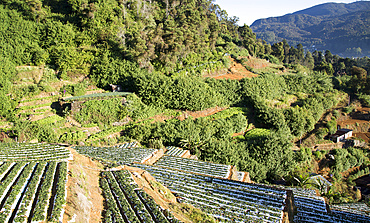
(359,72)
(309,61)
(328,56)
(278,51)
(325,67)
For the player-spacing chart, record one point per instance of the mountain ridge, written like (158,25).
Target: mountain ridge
(338,27)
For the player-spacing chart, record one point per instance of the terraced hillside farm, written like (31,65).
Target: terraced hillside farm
(195,166)
(312,208)
(207,186)
(125,202)
(33,152)
(33,183)
(227,201)
(122,155)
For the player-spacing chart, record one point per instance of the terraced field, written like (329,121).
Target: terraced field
(122,155)
(206,186)
(227,201)
(125,202)
(312,208)
(32,183)
(33,152)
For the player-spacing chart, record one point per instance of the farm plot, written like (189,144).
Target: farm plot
(32,191)
(227,201)
(175,151)
(33,152)
(312,208)
(354,212)
(121,155)
(125,202)
(195,166)
(97,96)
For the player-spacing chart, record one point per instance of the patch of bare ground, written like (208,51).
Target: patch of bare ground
(39,117)
(203,113)
(236,71)
(84,197)
(186,114)
(364,136)
(72,122)
(164,197)
(359,122)
(257,63)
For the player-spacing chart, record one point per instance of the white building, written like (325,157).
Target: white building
(341,135)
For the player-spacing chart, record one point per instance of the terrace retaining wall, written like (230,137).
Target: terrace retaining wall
(328,146)
(155,157)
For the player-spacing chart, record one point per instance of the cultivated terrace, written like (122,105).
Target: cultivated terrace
(206,123)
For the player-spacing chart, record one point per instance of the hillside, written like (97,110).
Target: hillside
(168,111)
(338,27)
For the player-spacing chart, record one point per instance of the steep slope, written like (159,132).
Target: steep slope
(341,28)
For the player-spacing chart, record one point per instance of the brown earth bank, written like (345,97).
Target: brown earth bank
(359,122)
(194,114)
(85,202)
(84,197)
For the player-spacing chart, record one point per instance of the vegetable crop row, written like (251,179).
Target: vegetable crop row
(111,210)
(60,194)
(127,188)
(39,213)
(121,199)
(16,189)
(25,207)
(10,178)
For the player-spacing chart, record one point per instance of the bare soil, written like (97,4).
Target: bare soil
(84,196)
(236,71)
(199,114)
(364,136)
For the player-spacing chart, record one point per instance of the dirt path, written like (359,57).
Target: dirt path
(84,198)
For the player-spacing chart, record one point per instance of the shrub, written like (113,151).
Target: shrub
(100,111)
(74,89)
(348,109)
(73,137)
(321,133)
(332,126)
(365,99)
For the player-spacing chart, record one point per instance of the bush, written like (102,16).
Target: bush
(365,99)
(332,126)
(318,155)
(348,109)
(321,133)
(100,111)
(26,130)
(72,137)
(336,113)
(74,89)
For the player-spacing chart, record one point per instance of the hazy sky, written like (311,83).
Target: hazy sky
(250,10)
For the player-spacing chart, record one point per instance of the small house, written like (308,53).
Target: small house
(341,135)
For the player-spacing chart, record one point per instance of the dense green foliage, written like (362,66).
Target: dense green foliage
(160,50)
(100,111)
(346,159)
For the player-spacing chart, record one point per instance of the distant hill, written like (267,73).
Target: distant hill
(343,29)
